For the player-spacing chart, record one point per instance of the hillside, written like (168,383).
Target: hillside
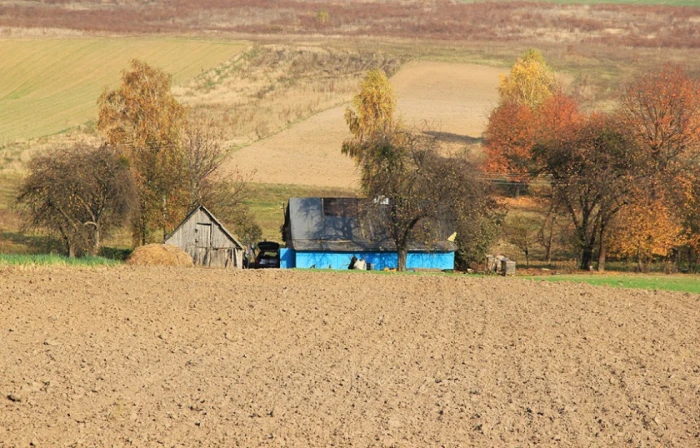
(48,85)
(448,99)
(637,23)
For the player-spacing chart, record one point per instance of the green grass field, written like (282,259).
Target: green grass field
(54,260)
(685,283)
(602,2)
(50,85)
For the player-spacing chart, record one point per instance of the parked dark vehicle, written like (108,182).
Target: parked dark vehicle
(268,255)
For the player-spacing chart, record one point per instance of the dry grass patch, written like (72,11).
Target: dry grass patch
(159,255)
(269,87)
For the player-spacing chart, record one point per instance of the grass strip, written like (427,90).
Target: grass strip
(54,260)
(683,283)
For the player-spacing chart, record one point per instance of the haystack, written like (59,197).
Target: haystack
(159,255)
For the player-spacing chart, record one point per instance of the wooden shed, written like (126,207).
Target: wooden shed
(208,242)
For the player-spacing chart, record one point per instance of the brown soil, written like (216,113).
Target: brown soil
(159,255)
(452,100)
(195,357)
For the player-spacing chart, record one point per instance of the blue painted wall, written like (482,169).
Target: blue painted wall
(287,260)
(380,260)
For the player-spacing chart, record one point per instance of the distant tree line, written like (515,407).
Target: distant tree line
(624,183)
(154,166)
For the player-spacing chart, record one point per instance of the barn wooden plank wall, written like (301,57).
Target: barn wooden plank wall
(206,242)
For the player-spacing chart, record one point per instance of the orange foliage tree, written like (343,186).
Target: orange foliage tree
(689,187)
(558,118)
(144,119)
(645,229)
(661,110)
(510,134)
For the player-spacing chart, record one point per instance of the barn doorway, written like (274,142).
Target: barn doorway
(202,243)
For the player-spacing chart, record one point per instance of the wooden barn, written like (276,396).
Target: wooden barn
(208,242)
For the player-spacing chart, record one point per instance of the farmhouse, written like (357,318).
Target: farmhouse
(328,233)
(208,242)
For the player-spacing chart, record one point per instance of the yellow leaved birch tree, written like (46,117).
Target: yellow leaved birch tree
(144,119)
(531,81)
(372,112)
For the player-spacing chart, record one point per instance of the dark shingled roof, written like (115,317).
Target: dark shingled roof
(332,225)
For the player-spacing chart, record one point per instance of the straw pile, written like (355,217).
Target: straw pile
(159,255)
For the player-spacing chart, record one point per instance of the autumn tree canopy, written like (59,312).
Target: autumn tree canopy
(81,193)
(661,111)
(142,112)
(647,227)
(144,119)
(419,195)
(176,162)
(530,82)
(510,136)
(372,112)
(592,172)
(513,129)
(529,101)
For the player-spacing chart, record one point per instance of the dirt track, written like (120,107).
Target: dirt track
(193,357)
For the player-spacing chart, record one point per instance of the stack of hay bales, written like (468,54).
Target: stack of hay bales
(159,255)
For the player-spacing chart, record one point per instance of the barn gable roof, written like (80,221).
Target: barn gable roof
(228,234)
(333,225)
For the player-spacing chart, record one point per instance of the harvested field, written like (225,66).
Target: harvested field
(453,100)
(204,357)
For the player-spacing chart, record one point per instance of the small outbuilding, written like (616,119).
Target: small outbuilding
(207,241)
(328,233)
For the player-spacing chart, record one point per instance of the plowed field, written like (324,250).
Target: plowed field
(194,357)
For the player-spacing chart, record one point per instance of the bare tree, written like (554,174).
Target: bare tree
(592,174)
(203,155)
(522,233)
(417,194)
(81,193)
(224,194)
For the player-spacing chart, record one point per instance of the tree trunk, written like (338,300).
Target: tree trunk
(143,230)
(96,241)
(602,252)
(587,256)
(639,258)
(589,244)
(550,238)
(403,254)
(527,258)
